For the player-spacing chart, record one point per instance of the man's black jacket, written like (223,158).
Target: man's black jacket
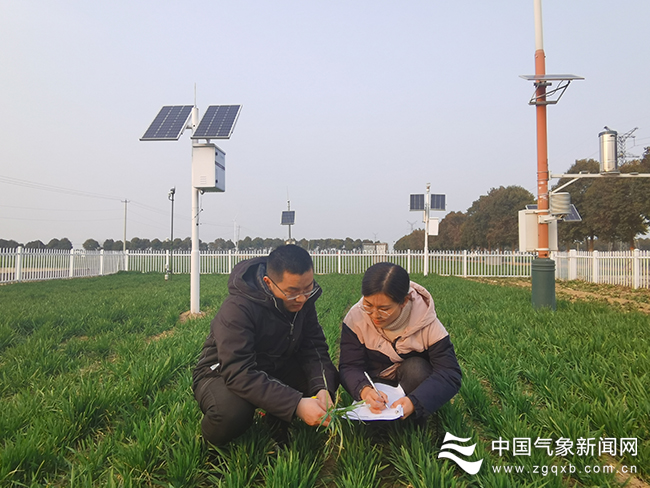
(253,336)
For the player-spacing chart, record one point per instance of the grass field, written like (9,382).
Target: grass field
(95,390)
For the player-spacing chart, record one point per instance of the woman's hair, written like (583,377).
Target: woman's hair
(387,278)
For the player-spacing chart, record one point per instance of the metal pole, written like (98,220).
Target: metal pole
(542,140)
(172,192)
(543,268)
(124,239)
(195,257)
(426,231)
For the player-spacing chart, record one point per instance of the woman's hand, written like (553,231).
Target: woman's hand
(375,402)
(406,404)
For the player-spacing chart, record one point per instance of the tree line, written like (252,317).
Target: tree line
(138,244)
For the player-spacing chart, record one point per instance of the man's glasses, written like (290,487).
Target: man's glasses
(306,294)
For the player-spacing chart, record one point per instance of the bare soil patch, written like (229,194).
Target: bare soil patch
(624,297)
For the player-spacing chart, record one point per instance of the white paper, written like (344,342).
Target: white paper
(362,411)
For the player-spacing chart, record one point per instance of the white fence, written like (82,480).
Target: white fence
(627,268)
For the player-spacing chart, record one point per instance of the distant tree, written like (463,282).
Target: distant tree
(492,220)
(53,244)
(91,245)
(118,246)
(9,244)
(33,245)
(450,232)
(414,241)
(612,209)
(65,244)
(156,244)
(108,245)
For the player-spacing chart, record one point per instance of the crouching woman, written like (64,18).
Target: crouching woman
(393,334)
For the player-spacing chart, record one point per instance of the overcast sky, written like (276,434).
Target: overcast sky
(348,107)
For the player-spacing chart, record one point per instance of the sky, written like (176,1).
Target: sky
(348,107)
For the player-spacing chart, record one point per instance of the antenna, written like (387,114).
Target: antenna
(621,143)
(411,224)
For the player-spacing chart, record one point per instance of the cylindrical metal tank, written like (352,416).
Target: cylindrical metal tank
(608,151)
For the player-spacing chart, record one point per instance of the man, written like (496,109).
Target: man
(266,349)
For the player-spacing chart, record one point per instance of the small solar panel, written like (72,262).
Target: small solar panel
(288,217)
(417,202)
(437,202)
(218,122)
(551,77)
(573,215)
(168,124)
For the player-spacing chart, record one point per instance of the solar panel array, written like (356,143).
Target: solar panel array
(168,124)
(417,202)
(218,122)
(437,202)
(288,217)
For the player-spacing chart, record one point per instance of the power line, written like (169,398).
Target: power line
(52,188)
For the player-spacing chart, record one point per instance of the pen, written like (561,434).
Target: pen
(376,390)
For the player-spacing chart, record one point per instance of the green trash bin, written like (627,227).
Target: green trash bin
(543,278)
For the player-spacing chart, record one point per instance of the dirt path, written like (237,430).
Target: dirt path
(623,297)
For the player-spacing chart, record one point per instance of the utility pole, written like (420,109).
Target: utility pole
(125,202)
(171,194)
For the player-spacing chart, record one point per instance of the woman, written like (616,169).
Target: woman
(394,335)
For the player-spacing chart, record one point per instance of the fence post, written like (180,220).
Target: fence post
(408,261)
(19,263)
(573,264)
(636,269)
(126,260)
(101,262)
(594,271)
(71,273)
(465,263)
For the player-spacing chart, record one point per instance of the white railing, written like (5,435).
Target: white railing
(619,268)
(626,268)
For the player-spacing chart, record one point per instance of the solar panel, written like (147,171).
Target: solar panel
(417,202)
(437,202)
(218,122)
(288,217)
(573,215)
(168,124)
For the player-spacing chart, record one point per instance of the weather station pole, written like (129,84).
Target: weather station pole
(426,231)
(208,163)
(195,257)
(543,267)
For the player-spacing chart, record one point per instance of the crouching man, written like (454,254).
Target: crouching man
(266,349)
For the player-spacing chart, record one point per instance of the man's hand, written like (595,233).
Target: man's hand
(323,396)
(406,404)
(375,402)
(311,411)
